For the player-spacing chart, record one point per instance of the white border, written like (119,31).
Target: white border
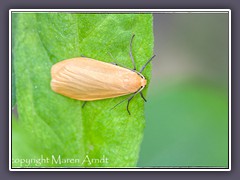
(121,11)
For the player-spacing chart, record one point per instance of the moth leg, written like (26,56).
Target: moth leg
(117,64)
(84,103)
(129,99)
(143,96)
(114,63)
(130,53)
(84,56)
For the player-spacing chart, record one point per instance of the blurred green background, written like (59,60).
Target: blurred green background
(187,108)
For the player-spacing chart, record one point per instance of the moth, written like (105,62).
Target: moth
(87,79)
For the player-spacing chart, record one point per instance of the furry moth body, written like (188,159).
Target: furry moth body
(87,79)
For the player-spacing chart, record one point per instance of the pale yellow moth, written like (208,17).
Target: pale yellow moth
(87,79)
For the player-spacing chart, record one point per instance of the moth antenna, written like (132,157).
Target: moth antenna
(147,63)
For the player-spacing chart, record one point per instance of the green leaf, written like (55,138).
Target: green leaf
(23,145)
(13,87)
(58,123)
(14,20)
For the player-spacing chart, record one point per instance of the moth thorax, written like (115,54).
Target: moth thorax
(143,82)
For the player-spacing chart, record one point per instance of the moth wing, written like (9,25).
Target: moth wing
(87,79)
